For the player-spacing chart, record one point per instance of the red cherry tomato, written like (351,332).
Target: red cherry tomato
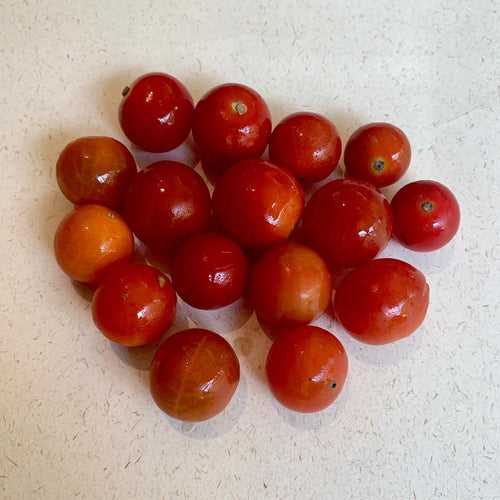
(382,301)
(290,286)
(426,215)
(95,170)
(166,203)
(348,222)
(194,375)
(258,203)
(209,271)
(134,305)
(89,240)
(307,144)
(231,123)
(378,153)
(306,368)
(156,112)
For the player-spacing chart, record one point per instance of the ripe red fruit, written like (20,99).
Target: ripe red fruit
(290,286)
(307,144)
(231,123)
(258,203)
(134,304)
(156,112)
(209,271)
(194,375)
(95,170)
(378,153)
(382,301)
(89,240)
(426,215)
(166,203)
(306,368)
(348,222)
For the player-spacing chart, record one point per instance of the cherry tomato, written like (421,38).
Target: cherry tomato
(95,170)
(306,368)
(348,222)
(426,215)
(166,203)
(290,286)
(258,203)
(378,153)
(156,112)
(231,123)
(194,375)
(90,239)
(307,144)
(382,301)
(209,271)
(134,304)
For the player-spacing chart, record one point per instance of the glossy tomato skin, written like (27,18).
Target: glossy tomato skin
(194,375)
(89,240)
(95,170)
(209,271)
(382,301)
(156,112)
(306,368)
(426,215)
(257,203)
(134,304)
(307,144)
(378,153)
(290,286)
(231,123)
(166,203)
(348,222)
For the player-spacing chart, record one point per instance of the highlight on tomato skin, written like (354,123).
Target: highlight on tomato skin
(382,301)
(194,375)
(209,271)
(89,240)
(134,304)
(290,285)
(378,153)
(257,203)
(156,112)
(308,144)
(306,368)
(95,170)
(348,222)
(426,215)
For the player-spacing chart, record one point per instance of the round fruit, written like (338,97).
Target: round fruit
(378,153)
(231,123)
(95,170)
(90,239)
(306,368)
(426,215)
(134,304)
(290,286)
(307,144)
(194,375)
(348,222)
(258,203)
(156,112)
(209,271)
(166,203)
(382,301)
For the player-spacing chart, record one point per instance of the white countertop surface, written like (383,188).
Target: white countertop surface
(418,420)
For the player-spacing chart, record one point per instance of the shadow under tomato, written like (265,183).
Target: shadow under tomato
(218,425)
(84,291)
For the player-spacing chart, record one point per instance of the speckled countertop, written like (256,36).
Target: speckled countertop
(418,420)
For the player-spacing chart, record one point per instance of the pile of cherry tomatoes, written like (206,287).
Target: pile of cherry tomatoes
(255,237)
